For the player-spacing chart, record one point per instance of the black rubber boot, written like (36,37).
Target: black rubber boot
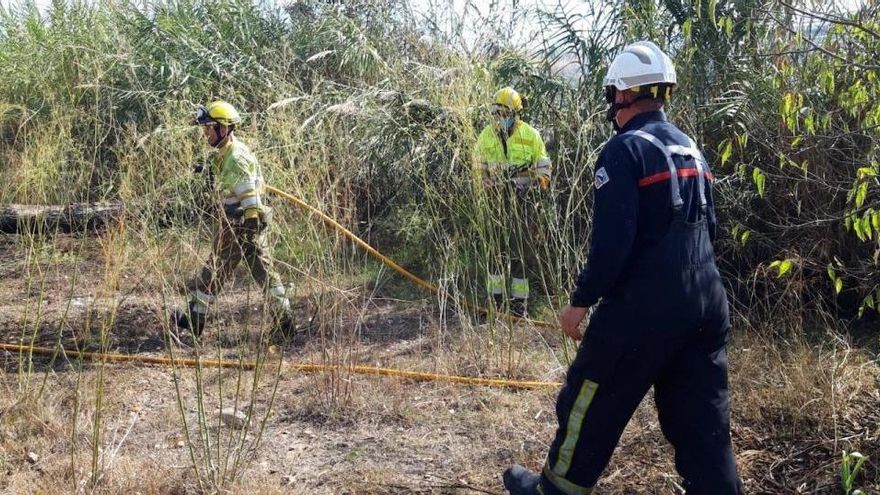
(520,481)
(519,307)
(189,320)
(287,332)
(285,324)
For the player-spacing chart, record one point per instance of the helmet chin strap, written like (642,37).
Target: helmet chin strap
(614,108)
(218,139)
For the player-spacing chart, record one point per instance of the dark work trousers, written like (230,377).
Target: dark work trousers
(233,243)
(665,326)
(514,234)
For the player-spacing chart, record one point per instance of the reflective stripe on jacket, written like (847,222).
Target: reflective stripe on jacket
(239,178)
(522,157)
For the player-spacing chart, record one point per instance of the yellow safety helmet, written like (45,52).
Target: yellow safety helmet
(217,112)
(509,98)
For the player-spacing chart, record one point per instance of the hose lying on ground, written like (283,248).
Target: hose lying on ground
(301,367)
(388,261)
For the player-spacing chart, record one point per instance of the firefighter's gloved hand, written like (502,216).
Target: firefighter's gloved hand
(252,226)
(233,212)
(544,182)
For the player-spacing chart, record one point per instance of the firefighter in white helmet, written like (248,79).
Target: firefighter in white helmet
(662,318)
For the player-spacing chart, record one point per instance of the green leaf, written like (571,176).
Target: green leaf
(784,268)
(831,273)
(875,220)
(866,227)
(759,180)
(838,285)
(744,238)
(861,194)
(711,8)
(786,104)
(726,151)
(827,79)
(810,123)
(857,227)
(866,172)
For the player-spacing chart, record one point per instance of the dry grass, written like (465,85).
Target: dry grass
(795,406)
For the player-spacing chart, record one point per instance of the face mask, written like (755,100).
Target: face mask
(504,118)
(612,116)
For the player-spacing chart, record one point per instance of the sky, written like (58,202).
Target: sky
(476,10)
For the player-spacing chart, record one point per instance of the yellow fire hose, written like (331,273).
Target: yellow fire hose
(387,261)
(305,368)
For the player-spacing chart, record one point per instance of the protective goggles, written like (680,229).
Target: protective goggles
(610,92)
(203,117)
(501,112)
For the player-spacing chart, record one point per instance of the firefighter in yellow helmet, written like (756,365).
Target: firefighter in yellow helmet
(244,222)
(514,168)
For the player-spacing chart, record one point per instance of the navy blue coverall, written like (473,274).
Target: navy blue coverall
(662,318)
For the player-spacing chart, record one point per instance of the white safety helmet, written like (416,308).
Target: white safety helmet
(640,64)
(641,68)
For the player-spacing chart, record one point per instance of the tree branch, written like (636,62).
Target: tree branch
(823,50)
(836,20)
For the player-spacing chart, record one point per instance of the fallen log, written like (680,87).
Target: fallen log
(49,219)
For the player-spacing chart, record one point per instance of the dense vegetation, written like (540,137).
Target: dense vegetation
(369,110)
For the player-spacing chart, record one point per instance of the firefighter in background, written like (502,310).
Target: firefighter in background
(244,223)
(514,168)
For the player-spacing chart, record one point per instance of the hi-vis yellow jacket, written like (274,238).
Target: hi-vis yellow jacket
(520,158)
(239,178)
